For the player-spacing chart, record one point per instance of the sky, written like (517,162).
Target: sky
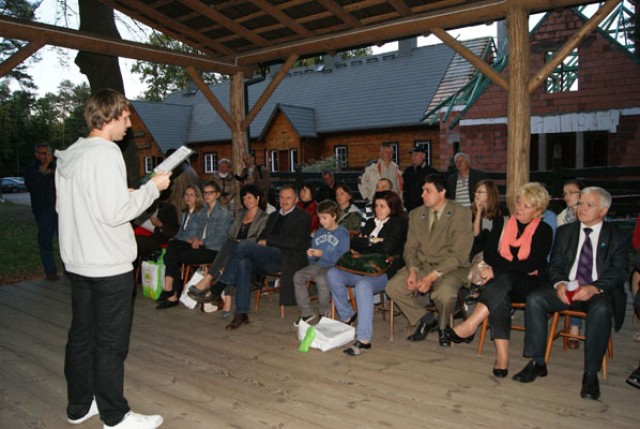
(57,64)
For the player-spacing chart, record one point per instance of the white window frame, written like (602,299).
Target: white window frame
(273,161)
(210,162)
(426,145)
(293,159)
(148,164)
(341,154)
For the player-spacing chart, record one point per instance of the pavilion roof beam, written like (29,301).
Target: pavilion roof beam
(572,43)
(283,18)
(338,11)
(210,96)
(471,57)
(21,55)
(458,15)
(158,19)
(225,22)
(401,7)
(83,41)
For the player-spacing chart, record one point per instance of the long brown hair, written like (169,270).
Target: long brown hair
(493,200)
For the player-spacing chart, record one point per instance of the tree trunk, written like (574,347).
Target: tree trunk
(104,71)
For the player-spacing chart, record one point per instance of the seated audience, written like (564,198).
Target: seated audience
(437,259)
(350,216)
(165,226)
(517,258)
(329,243)
(281,248)
(595,254)
(248,225)
(309,205)
(486,210)
(213,223)
(385,234)
(369,213)
(327,191)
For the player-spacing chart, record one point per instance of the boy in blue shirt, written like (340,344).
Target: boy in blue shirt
(328,244)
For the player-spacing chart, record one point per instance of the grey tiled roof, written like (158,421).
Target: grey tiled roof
(367,93)
(168,123)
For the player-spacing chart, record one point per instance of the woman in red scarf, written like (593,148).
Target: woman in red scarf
(517,254)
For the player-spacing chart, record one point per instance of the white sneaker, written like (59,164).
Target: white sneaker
(93,411)
(133,420)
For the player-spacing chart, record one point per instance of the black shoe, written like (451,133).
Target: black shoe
(634,378)
(590,386)
(164,295)
(500,373)
(239,319)
(352,319)
(357,348)
(306,319)
(163,305)
(203,295)
(453,337)
(443,338)
(531,372)
(424,327)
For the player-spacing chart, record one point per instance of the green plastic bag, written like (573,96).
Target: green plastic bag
(152,273)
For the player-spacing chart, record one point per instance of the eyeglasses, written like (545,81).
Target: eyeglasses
(208,192)
(565,194)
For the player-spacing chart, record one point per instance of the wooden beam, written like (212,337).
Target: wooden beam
(74,39)
(572,43)
(455,16)
(213,100)
(225,22)
(269,91)
(339,12)
(519,102)
(282,18)
(401,7)
(137,8)
(22,54)
(239,138)
(470,56)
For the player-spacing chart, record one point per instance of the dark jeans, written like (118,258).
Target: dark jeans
(180,252)
(249,258)
(47,221)
(98,344)
(599,321)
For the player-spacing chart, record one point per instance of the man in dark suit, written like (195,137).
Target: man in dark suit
(282,247)
(413,178)
(462,184)
(596,254)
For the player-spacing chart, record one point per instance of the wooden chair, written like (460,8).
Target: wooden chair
(384,306)
(485,325)
(267,289)
(566,334)
(462,311)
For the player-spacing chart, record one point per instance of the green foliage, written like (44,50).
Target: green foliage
(19,244)
(56,119)
(163,79)
(24,10)
(320,166)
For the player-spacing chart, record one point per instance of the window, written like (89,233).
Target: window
(394,148)
(273,160)
(565,77)
(426,145)
(210,162)
(293,159)
(341,154)
(148,164)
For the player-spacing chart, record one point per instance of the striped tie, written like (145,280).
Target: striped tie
(585,263)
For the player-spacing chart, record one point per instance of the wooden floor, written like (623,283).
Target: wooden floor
(184,365)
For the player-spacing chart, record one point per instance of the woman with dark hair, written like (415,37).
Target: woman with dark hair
(385,233)
(212,225)
(517,259)
(248,225)
(309,205)
(485,211)
(571,194)
(351,216)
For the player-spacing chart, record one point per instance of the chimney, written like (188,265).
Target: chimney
(406,46)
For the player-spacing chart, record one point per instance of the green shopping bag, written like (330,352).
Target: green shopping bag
(153,277)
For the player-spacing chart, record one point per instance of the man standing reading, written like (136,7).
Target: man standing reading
(97,246)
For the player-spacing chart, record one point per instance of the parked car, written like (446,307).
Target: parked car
(11,184)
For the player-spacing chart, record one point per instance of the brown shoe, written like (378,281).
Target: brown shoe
(239,319)
(573,344)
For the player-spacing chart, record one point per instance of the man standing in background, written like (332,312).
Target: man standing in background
(462,184)
(413,178)
(39,179)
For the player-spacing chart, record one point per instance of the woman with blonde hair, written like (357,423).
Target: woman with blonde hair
(517,258)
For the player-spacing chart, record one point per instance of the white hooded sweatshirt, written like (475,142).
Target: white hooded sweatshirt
(95,208)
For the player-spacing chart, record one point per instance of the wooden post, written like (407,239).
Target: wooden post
(239,140)
(519,102)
